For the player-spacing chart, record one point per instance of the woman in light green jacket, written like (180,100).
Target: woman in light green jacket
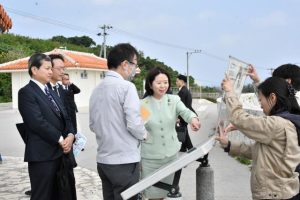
(161,145)
(276,152)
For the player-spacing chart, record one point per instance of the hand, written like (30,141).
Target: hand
(61,143)
(229,128)
(253,74)
(68,142)
(195,124)
(222,138)
(227,84)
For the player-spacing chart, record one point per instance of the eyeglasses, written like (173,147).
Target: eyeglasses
(136,65)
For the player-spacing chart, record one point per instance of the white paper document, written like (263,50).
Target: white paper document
(237,72)
(80,141)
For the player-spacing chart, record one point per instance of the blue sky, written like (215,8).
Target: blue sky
(263,33)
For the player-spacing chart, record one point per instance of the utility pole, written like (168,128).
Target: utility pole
(271,70)
(188,54)
(104,34)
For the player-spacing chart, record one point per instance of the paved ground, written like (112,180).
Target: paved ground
(230,177)
(14,181)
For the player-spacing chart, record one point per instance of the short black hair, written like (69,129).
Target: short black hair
(182,77)
(289,71)
(119,53)
(151,76)
(36,60)
(56,56)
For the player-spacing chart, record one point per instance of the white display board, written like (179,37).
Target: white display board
(183,160)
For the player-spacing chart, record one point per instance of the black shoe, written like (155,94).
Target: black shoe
(82,149)
(28,192)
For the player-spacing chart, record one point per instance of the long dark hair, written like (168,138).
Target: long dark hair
(285,94)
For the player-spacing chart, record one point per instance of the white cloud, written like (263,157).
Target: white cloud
(206,15)
(274,19)
(105,2)
(229,40)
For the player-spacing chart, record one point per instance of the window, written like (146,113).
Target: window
(102,75)
(84,74)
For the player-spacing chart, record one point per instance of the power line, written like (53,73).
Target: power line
(85,30)
(171,45)
(81,29)
(153,40)
(51,21)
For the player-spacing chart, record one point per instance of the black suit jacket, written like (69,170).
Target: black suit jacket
(43,125)
(62,95)
(186,98)
(72,90)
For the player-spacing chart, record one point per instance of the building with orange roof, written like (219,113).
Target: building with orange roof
(85,69)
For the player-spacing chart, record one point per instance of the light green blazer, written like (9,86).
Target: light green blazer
(162,138)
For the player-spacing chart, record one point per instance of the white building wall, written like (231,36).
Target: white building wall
(18,80)
(86,85)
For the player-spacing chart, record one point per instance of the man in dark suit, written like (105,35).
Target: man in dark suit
(49,132)
(70,90)
(186,98)
(58,71)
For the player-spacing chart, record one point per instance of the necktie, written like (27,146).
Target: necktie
(52,102)
(55,89)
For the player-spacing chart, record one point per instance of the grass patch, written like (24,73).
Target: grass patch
(243,160)
(211,99)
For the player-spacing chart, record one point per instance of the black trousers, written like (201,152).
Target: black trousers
(187,144)
(73,120)
(117,178)
(42,179)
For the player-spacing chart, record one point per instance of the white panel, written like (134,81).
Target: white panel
(170,168)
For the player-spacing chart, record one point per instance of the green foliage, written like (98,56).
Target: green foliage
(15,46)
(5,78)
(148,63)
(5,87)
(80,41)
(61,39)
(211,99)
(248,88)
(207,89)
(243,160)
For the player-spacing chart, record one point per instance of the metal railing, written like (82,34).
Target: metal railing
(196,94)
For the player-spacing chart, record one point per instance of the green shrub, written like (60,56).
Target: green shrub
(243,160)
(211,99)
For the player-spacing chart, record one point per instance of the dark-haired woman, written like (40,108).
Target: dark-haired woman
(162,145)
(275,153)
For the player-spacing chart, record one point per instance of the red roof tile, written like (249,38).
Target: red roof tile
(73,59)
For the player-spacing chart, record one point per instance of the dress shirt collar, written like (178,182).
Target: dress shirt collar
(114,74)
(65,87)
(39,84)
(54,85)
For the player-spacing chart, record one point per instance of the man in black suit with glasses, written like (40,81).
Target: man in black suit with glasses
(48,129)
